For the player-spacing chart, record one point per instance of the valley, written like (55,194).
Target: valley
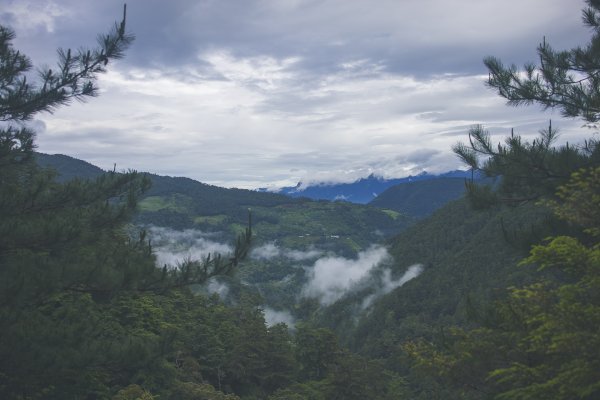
(292,237)
(367,279)
(475,284)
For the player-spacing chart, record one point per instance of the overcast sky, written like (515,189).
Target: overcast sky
(253,93)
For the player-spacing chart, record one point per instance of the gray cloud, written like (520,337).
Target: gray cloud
(416,36)
(268,93)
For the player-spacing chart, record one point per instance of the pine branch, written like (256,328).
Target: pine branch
(19,100)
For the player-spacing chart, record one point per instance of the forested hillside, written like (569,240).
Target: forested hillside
(493,326)
(183,203)
(68,168)
(420,199)
(467,257)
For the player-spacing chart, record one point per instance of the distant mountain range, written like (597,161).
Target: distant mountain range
(182,203)
(413,196)
(364,190)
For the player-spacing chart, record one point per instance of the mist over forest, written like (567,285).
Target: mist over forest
(317,211)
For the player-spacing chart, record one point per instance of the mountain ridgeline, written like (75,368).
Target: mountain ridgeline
(183,203)
(413,197)
(364,190)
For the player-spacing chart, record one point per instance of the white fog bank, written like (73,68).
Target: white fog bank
(171,247)
(331,277)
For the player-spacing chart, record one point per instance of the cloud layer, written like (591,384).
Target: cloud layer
(267,93)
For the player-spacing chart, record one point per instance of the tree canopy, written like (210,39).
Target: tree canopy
(568,80)
(541,340)
(82,304)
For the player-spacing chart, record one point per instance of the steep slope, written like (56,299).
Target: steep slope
(420,198)
(468,258)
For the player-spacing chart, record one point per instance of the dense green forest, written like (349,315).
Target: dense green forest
(495,296)
(421,198)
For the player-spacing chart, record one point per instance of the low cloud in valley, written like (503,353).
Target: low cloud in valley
(172,247)
(386,284)
(273,317)
(332,277)
(270,251)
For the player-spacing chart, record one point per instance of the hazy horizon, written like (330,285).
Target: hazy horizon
(267,93)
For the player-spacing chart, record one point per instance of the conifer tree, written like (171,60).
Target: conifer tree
(72,280)
(524,171)
(565,80)
(62,246)
(42,220)
(541,341)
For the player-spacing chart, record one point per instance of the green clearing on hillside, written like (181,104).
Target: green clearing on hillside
(176,202)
